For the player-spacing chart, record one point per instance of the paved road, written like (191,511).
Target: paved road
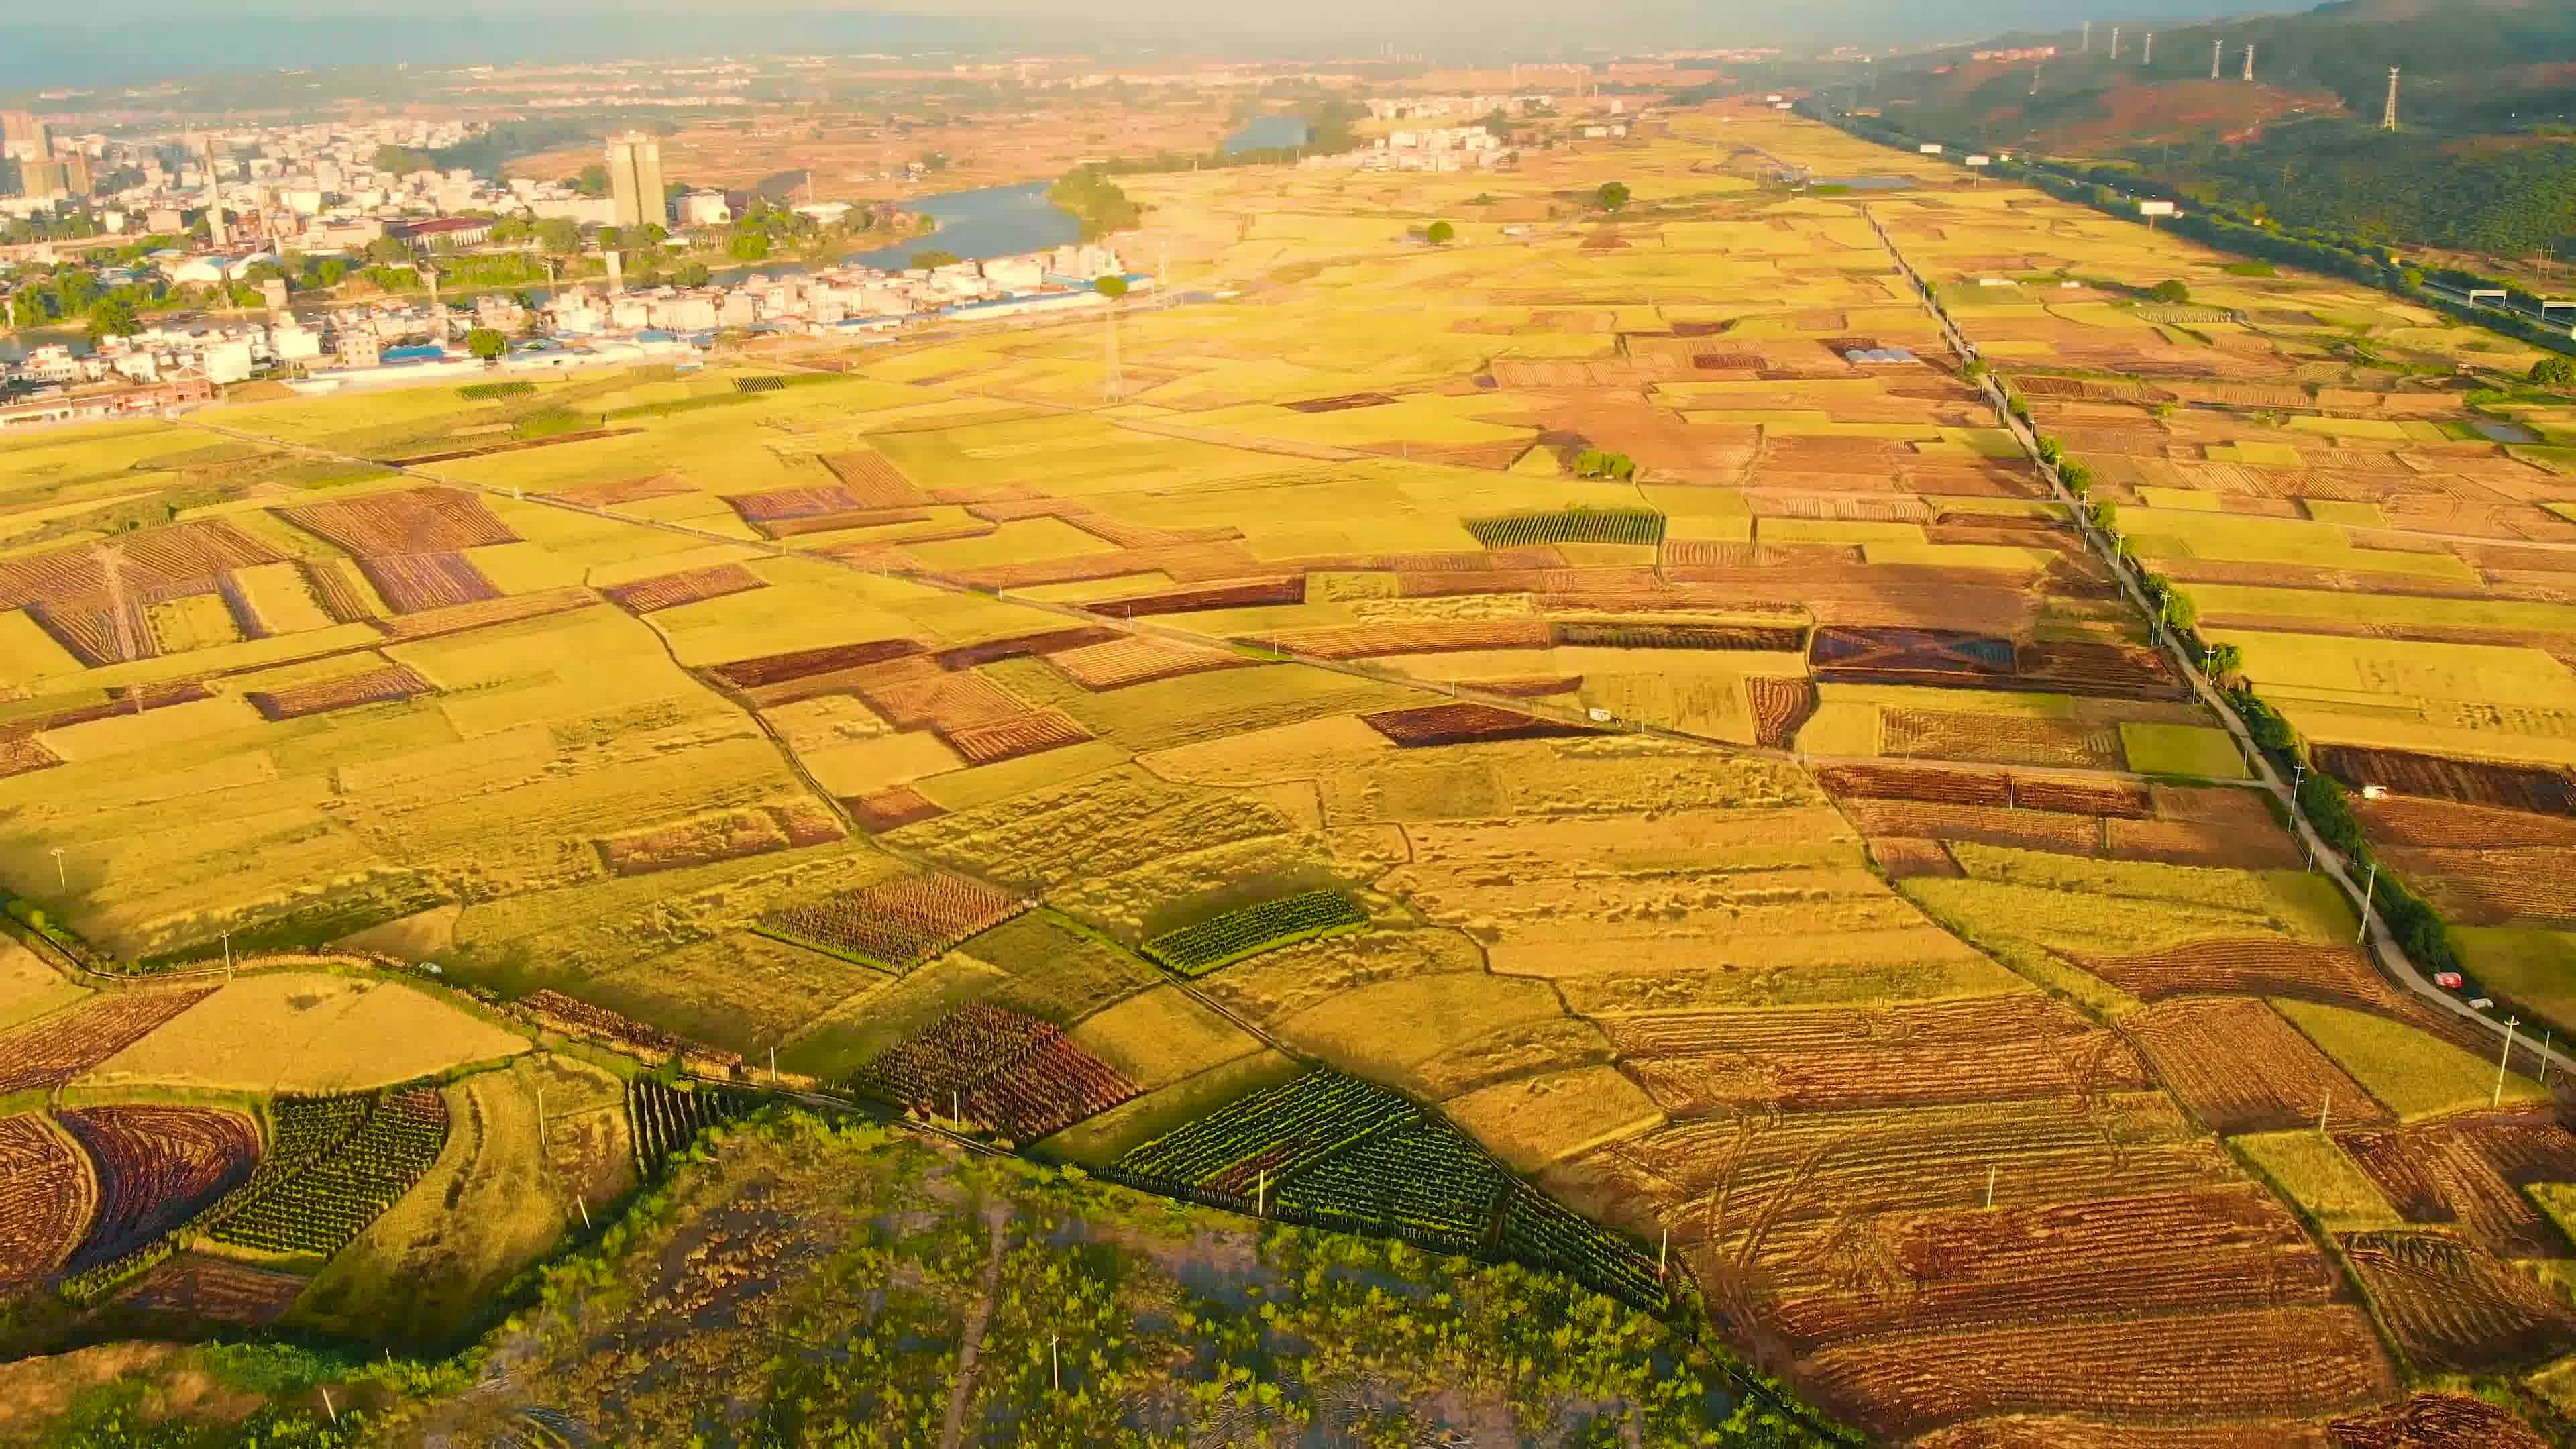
(2392,959)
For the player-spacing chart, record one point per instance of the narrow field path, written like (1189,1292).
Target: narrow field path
(2392,959)
(962,1393)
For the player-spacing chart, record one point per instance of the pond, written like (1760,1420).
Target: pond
(1267,133)
(2503,432)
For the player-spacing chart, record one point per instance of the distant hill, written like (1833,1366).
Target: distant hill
(2484,160)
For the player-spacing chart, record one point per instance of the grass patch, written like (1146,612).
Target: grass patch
(2312,1172)
(2414,1074)
(2197,751)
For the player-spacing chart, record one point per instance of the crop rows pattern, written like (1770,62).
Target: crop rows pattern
(663,1118)
(1459,724)
(60,1047)
(574,1017)
(414,583)
(1197,950)
(45,1200)
(416,520)
(1332,1151)
(1569,525)
(373,687)
(2470,782)
(1011,1072)
(895,926)
(665,591)
(320,1209)
(494,391)
(156,1167)
(2455,1308)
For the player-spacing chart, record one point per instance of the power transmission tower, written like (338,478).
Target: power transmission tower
(2388,117)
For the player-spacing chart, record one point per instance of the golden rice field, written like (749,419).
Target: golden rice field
(1931,981)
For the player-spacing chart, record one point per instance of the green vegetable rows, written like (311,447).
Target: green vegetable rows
(1200,949)
(1335,1152)
(1569,525)
(319,1209)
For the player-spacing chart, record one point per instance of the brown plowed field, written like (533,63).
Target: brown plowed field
(1029,733)
(57,1048)
(1985,825)
(1454,724)
(2453,1307)
(872,481)
(215,1290)
(2240,1067)
(1136,661)
(186,557)
(778,504)
(2196,1250)
(373,687)
(2132,671)
(2410,820)
(415,520)
(2434,1421)
(1781,705)
(898,924)
(2026,1431)
(1897,782)
(2469,1170)
(46,1198)
(24,754)
(155,1167)
(414,583)
(2258,966)
(2435,777)
(669,591)
(2213,1365)
(891,809)
(1998,739)
(1992,1020)
(1252,594)
(2480,885)
(2080,795)
(944,702)
(778,668)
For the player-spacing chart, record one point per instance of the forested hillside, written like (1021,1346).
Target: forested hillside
(2484,159)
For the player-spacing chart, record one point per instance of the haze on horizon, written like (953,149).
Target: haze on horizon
(125,40)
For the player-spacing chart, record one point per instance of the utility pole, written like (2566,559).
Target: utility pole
(1055,1363)
(1990,1186)
(2321,1114)
(2088,37)
(2249,61)
(2217,53)
(2115,42)
(2367,892)
(2388,115)
(2147,56)
(61,881)
(2506,1055)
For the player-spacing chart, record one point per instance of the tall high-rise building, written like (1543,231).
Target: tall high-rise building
(635,180)
(23,137)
